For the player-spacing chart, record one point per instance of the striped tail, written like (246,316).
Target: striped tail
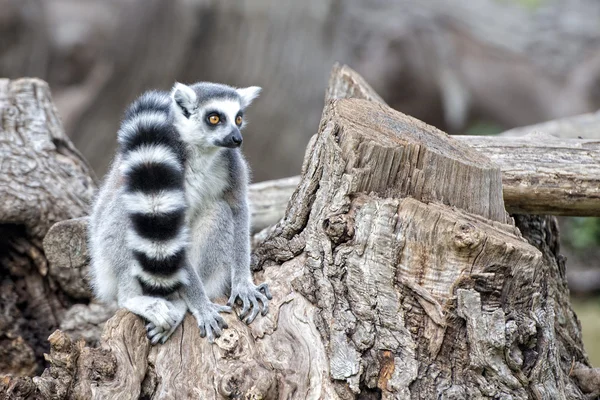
(152,165)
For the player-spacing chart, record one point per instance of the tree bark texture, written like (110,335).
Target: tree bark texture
(43,180)
(396,273)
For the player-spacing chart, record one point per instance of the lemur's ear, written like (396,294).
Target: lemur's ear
(248,94)
(185,97)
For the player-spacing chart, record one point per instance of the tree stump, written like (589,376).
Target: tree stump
(43,180)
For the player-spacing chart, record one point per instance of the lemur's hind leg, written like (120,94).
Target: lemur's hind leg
(163,315)
(211,249)
(159,334)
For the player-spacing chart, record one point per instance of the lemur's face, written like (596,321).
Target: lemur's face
(211,115)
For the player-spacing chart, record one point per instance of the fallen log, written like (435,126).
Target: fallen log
(543,174)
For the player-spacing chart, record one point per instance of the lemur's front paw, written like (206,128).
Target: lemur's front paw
(250,295)
(211,324)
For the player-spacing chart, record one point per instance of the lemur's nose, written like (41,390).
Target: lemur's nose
(237,139)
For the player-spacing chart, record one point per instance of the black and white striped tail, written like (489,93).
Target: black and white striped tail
(153,163)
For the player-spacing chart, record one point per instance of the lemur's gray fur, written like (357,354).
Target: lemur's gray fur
(169,230)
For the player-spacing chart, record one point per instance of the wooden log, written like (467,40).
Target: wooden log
(543,174)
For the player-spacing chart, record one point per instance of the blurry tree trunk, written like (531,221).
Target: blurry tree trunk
(396,273)
(43,180)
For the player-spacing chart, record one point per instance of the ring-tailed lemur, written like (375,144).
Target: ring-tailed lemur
(169,228)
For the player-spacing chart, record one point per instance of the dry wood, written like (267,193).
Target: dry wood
(543,174)
(394,279)
(43,180)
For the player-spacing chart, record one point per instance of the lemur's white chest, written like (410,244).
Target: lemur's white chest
(206,178)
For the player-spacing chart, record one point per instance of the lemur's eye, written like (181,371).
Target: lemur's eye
(214,119)
(238,120)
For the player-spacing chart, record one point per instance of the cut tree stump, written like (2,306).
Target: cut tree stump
(541,174)
(43,180)
(396,273)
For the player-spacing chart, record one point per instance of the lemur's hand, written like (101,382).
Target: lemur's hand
(250,295)
(211,324)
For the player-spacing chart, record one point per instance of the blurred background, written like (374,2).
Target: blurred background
(465,66)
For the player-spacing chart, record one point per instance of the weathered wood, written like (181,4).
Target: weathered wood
(543,174)
(268,201)
(43,180)
(345,83)
(394,279)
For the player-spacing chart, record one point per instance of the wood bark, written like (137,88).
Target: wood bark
(396,273)
(43,180)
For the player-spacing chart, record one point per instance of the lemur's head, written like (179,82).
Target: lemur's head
(211,114)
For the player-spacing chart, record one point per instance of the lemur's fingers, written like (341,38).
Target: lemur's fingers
(153,332)
(209,333)
(202,330)
(216,328)
(264,287)
(254,312)
(168,334)
(246,307)
(222,323)
(155,339)
(225,309)
(155,335)
(264,303)
(232,299)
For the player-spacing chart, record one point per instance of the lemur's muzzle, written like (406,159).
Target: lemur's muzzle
(234,139)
